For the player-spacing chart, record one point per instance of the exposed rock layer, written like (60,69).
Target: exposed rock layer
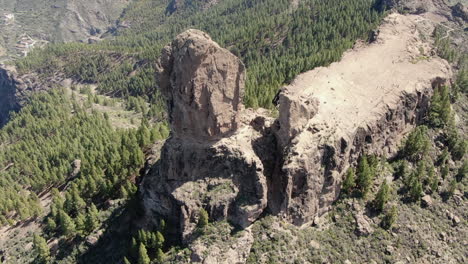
(239,163)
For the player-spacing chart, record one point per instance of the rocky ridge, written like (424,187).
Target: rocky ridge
(239,163)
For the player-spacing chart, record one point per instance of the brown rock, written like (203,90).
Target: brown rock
(207,162)
(204,85)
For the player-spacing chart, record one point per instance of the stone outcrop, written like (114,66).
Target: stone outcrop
(204,85)
(239,163)
(8,102)
(205,163)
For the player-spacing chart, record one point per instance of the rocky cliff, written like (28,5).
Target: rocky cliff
(239,163)
(7,95)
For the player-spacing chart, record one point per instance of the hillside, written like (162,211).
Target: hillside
(28,24)
(234,131)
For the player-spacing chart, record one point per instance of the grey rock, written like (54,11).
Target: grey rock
(363,227)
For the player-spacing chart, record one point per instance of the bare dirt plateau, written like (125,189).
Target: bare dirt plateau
(371,78)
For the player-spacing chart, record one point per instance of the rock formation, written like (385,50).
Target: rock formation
(239,163)
(7,95)
(205,162)
(204,85)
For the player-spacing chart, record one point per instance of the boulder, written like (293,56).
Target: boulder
(426,201)
(363,227)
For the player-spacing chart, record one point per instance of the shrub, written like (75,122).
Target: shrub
(202,219)
(390,218)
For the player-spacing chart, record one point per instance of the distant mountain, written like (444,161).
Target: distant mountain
(28,23)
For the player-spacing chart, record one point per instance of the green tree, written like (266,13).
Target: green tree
(41,249)
(416,188)
(364,176)
(143,257)
(126,261)
(80,223)
(160,256)
(382,197)
(417,144)
(401,170)
(350,182)
(432,178)
(51,226)
(92,218)
(440,112)
(462,171)
(67,225)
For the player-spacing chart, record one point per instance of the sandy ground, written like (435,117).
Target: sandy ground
(371,77)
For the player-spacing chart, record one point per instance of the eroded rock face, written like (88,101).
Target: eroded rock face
(212,159)
(7,95)
(204,85)
(362,108)
(239,163)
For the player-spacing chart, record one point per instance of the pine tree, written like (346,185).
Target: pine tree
(67,225)
(160,256)
(80,223)
(416,189)
(365,177)
(433,179)
(382,196)
(350,181)
(159,240)
(92,218)
(143,257)
(51,226)
(41,248)
(417,144)
(440,111)
(162,226)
